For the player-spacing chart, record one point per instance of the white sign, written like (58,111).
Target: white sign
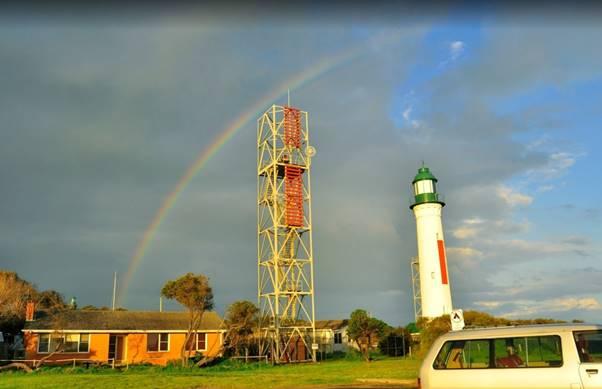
(457,319)
(314,346)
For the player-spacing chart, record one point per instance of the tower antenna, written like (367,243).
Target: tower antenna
(285,269)
(288,92)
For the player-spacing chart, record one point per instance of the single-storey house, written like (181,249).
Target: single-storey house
(119,336)
(331,336)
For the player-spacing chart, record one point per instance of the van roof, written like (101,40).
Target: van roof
(522,330)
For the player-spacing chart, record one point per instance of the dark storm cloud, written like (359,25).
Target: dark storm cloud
(349,218)
(114,117)
(101,122)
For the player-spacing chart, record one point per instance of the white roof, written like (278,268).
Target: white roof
(526,330)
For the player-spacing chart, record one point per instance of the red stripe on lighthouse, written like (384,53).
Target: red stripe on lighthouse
(442,262)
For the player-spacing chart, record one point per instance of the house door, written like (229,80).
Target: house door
(116,347)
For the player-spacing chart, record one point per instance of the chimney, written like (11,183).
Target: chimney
(29,311)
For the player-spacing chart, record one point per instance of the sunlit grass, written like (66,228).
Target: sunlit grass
(225,375)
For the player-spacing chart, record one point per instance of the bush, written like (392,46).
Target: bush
(353,355)
(337,355)
(198,356)
(395,343)
(430,330)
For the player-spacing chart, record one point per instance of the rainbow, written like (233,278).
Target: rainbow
(300,79)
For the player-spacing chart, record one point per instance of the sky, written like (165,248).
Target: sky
(104,111)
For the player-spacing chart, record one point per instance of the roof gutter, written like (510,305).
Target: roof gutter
(46,331)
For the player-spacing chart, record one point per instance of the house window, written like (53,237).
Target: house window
(43,343)
(68,343)
(338,338)
(200,342)
(157,342)
(71,343)
(84,343)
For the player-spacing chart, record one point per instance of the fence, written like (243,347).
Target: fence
(259,358)
(68,361)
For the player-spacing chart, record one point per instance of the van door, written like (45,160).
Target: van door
(589,347)
(591,375)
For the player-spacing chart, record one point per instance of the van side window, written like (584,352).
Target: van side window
(543,351)
(589,345)
(441,360)
(517,352)
(469,354)
(530,351)
(477,355)
(510,352)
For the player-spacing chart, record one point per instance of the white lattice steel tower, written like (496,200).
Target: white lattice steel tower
(284,235)
(432,297)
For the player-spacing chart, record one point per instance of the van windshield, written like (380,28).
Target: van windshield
(589,345)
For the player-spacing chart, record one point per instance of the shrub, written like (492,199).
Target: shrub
(353,355)
(430,330)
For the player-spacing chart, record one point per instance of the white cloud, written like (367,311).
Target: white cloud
(464,232)
(535,307)
(407,116)
(406,113)
(464,252)
(529,308)
(414,130)
(487,228)
(489,304)
(469,229)
(465,256)
(557,165)
(522,248)
(513,198)
(456,48)
(545,188)
(474,220)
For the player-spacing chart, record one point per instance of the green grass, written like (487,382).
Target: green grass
(224,375)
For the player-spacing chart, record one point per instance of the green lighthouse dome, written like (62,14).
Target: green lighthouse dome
(425,188)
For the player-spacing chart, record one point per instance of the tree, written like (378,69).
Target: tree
(194,293)
(241,319)
(50,300)
(14,295)
(395,342)
(431,329)
(363,329)
(412,328)
(52,305)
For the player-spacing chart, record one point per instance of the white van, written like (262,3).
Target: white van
(567,356)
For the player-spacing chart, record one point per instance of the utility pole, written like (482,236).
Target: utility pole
(114,289)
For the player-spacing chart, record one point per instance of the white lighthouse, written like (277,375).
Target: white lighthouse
(435,295)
